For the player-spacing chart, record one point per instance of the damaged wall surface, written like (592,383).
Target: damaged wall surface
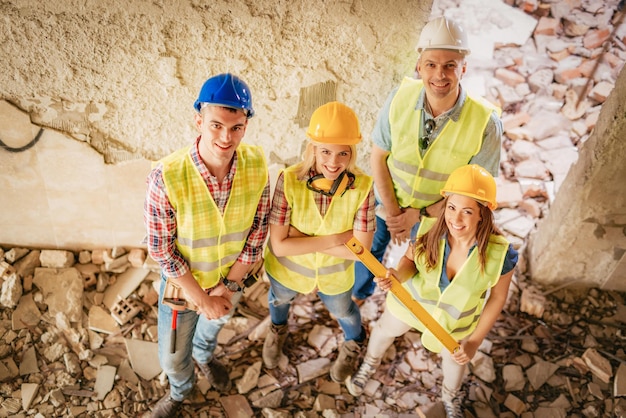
(113,83)
(583,238)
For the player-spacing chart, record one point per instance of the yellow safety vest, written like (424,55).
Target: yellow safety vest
(417,181)
(458,308)
(209,241)
(303,273)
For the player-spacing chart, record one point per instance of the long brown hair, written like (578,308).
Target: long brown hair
(427,245)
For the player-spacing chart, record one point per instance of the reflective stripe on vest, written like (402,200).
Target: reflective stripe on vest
(209,241)
(417,181)
(303,273)
(458,308)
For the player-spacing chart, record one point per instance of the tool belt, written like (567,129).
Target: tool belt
(174,295)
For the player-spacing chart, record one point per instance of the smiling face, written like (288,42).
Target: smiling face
(441,70)
(222,129)
(331,160)
(462,215)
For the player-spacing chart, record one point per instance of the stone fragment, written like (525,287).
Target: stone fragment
(515,404)
(236,406)
(137,257)
(84,257)
(312,368)
(11,291)
(104,381)
(8,369)
(600,92)
(125,284)
(57,398)
(250,378)
(619,383)
(28,365)
(513,377)
(323,339)
(56,259)
(482,366)
(540,372)
(62,290)
(15,254)
(324,402)
(97,256)
(29,391)
(112,400)
(144,357)
(533,302)
(271,400)
(598,365)
(26,265)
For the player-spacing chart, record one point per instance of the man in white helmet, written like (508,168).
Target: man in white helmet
(427,128)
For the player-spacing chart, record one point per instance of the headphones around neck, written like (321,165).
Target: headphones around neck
(321,184)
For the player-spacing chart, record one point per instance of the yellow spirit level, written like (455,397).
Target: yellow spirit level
(373,265)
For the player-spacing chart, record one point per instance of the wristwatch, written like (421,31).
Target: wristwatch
(231,285)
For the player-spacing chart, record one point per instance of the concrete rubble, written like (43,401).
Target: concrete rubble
(78,329)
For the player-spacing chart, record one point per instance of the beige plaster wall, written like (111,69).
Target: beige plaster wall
(585,243)
(113,82)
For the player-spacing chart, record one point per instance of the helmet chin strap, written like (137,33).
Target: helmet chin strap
(327,187)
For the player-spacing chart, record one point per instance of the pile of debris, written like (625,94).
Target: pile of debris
(79,339)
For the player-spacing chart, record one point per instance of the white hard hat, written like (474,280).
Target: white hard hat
(442,33)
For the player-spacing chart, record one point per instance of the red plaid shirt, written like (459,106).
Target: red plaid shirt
(281,212)
(160,217)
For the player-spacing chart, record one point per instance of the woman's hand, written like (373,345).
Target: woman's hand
(466,352)
(385,282)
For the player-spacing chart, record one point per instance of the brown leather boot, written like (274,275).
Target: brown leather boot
(217,375)
(166,407)
(273,345)
(345,365)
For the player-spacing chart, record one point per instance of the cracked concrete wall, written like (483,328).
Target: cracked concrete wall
(122,76)
(113,83)
(583,238)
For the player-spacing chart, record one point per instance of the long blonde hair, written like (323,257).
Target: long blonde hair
(308,161)
(427,245)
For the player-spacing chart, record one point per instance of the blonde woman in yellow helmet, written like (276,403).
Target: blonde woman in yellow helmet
(318,205)
(459,269)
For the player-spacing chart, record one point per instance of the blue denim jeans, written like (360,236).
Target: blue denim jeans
(196,339)
(364,285)
(341,306)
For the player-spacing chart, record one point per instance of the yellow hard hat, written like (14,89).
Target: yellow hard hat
(472,181)
(334,123)
(442,33)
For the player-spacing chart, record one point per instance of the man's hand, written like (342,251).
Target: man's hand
(400,226)
(216,304)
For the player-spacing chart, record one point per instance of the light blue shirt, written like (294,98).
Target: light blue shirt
(489,154)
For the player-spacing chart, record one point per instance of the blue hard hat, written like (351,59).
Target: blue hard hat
(226,90)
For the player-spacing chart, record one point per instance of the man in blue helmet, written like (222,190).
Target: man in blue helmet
(205,212)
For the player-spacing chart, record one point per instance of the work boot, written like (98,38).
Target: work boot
(166,407)
(217,375)
(452,403)
(356,384)
(273,345)
(345,365)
